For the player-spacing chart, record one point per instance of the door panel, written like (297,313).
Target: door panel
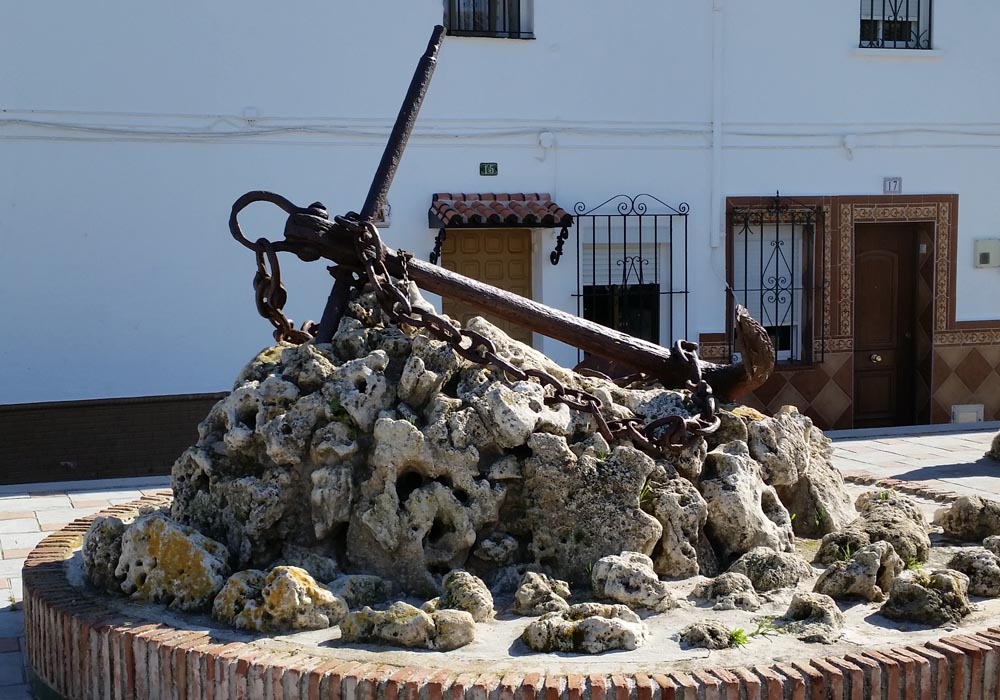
(500,257)
(884,372)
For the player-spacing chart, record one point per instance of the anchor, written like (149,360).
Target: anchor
(353,244)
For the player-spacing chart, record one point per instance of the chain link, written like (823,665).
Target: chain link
(269,293)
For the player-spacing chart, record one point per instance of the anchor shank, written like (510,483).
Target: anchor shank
(728,381)
(403,127)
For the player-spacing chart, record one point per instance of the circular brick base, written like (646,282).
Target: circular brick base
(81,647)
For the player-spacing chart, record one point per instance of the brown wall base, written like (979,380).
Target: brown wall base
(98,439)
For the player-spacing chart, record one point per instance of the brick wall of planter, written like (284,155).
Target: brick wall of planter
(79,648)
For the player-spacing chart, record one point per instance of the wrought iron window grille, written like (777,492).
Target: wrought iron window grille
(632,272)
(895,24)
(498,19)
(773,252)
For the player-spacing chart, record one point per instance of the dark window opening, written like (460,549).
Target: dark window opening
(781,337)
(632,309)
(501,19)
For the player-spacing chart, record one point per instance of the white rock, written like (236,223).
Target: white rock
(629,579)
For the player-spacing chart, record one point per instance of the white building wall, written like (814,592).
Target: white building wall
(128,130)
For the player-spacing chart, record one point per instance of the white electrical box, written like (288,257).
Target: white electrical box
(987,252)
(967,413)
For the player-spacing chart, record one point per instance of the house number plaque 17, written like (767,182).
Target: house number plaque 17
(892,185)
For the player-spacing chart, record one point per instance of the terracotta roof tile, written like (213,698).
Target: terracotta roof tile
(480,210)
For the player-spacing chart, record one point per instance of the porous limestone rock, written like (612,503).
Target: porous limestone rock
(590,628)
(812,617)
(871,501)
(102,547)
(452,629)
(513,413)
(245,513)
(969,518)
(797,459)
(840,546)
(780,446)
(585,506)
(407,626)
(730,591)
(884,519)
(682,513)
(162,561)
(319,566)
(285,598)
(935,598)
(629,579)
(359,590)
(332,487)
(421,506)
(463,591)
(983,569)
(743,512)
(496,549)
(867,575)
(994,451)
(768,569)
(539,594)
(707,634)
(992,543)
(895,526)
(731,427)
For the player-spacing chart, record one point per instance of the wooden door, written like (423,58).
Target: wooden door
(884,371)
(500,257)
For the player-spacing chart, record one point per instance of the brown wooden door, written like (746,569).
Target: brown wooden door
(884,265)
(500,257)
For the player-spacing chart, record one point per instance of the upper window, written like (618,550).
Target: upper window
(895,24)
(502,19)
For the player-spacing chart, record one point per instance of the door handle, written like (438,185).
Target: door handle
(875,357)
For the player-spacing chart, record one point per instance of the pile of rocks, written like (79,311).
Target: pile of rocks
(335,477)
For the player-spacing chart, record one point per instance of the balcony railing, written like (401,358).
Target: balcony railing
(895,24)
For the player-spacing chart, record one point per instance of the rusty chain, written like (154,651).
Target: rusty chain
(269,293)
(671,433)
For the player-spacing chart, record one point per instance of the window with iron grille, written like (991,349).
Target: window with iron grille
(501,19)
(772,263)
(895,24)
(632,266)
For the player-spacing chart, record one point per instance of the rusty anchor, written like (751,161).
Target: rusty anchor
(353,244)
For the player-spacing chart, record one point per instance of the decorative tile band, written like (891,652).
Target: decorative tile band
(79,649)
(983,337)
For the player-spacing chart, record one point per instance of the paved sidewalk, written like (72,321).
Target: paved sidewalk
(29,513)
(949,458)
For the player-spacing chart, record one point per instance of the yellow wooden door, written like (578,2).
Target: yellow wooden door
(500,257)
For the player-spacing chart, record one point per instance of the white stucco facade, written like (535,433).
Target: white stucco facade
(127,131)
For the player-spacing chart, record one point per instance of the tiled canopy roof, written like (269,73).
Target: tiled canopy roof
(459,210)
